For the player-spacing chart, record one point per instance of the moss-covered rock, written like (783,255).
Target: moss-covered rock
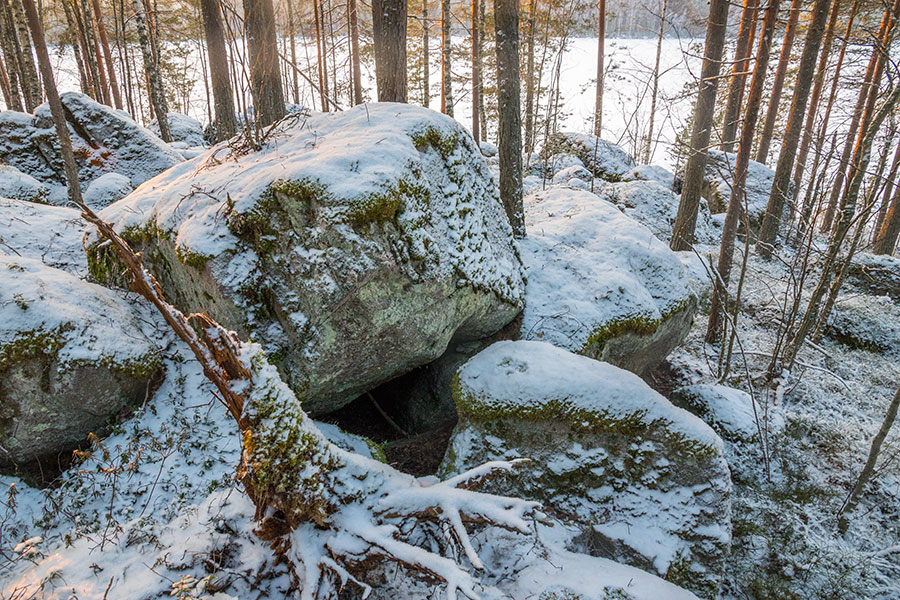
(601,284)
(353,246)
(604,159)
(876,274)
(72,357)
(645,482)
(866,323)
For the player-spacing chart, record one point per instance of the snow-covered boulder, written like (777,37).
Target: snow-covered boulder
(718,180)
(107,189)
(72,357)
(561,162)
(660,175)
(656,207)
(601,284)
(488,149)
(644,481)
(50,234)
(103,139)
(730,412)
(21,186)
(604,159)
(876,274)
(564,176)
(21,147)
(184,129)
(354,246)
(866,322)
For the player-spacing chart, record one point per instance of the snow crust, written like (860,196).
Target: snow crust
(729,411)
(106,189)
(51,234)
(21,186)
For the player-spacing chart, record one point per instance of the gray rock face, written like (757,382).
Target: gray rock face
(354,246)
(183,128)
(72,357)
(104,141)
(867,323)
(600,283)
(876,274)
(604,159)
(644,481)
(20,186)
(719,178)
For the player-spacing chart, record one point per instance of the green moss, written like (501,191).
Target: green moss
(196,260)
(595,422)
(28,344)
(637,325)
(431,136)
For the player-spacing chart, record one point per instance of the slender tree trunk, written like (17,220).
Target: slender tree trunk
(87,48)
(426,58)
(31,85)
(818,87)
(869,468)
(354,53)
(91,19)
(389,23)
(648,144)
(781,185)
(483,119)
(742,161)
(10,54)
(787,45)
(889,185)
(56,108)
(4,84)
(842,227)
(476,73)
(739,74)
(265,77)
(446,62)
(601,50)
(704,115)
(320,57)
(886,240)
(529,79)
(292,32)
(157,96)
(223,96)
(107,55)
(869,87)
(506,25)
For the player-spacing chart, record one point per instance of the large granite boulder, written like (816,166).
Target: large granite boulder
(656,207)
(50,234)
(719,179)
(106,189)
(72,357)
(354,246)
(20,186)
(601,284)
(645,482)
(604,159)
(732,413)
(877,274)
(184,129)
(660,175)
(104,141)
(866,323)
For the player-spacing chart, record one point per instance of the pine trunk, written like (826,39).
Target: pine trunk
(704,116)
(506,25)
(529,79)
(354,53)
(889,185)
(223,96)
(31,85)
(781,191)
(476,73)
(107,55)
(10,54)
(265,77)
(157,96)
(446,62)
(739,74)
(389,24)
(648,144)
(601,51)
(787,45)
(886,240)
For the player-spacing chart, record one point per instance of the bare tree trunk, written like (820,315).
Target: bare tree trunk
(31,86)
(889,229)
(869,87)
(426,56)
(476,73)
(781,192)
(483,119)
(704,115)
(11,54)
(818,87)
(107,55)
(648,144)
(56,108)
(157,96)
(320,57)
(389,22)
(529,79)
(739,74)
(262,44)
(506,24)
(742,161)
(4,84)
(292,32)
(446,62)
(601,51)
(869,468)
(787,45)
(354,53)
(223,96)
(889,185)
(91,20)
